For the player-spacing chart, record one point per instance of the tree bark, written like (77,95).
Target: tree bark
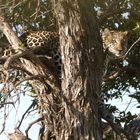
(82,60)
(72,113)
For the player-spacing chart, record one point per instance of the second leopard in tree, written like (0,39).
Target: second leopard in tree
(115,42)
(115,46)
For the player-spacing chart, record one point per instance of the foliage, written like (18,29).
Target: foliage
(117,15)
(122,15)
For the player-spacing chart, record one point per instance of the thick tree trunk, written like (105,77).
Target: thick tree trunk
(73,113)
(82,70)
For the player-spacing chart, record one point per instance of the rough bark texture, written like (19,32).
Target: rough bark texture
(72,113)
(82,70)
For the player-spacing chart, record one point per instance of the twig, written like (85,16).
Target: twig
(32,105)
(2,104)
(112,76)
(4,123)
(132,47)
(8,5)
(41,131)
(129,70)
(128,104)
(30,125)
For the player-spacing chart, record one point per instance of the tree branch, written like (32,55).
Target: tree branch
(131,47)
(30,125)
(11,36)
(129,70)
(32,105)
(33,64)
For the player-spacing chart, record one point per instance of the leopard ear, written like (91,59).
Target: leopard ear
(126,33)
(106,32)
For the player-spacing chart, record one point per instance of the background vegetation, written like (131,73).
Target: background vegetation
(122,76)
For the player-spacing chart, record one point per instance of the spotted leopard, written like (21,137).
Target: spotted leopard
(47,45)
(115,46)
(114,42)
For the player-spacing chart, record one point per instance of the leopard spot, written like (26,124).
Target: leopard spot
(30,44)
(34,40)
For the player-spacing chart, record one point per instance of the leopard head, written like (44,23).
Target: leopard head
(115,42)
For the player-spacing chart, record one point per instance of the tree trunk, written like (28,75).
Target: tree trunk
(73,113)
(82,59)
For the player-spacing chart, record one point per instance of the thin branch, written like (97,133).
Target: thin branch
(9,4)
(129,70)
(112,76)
(128,104)
(132,47)
(4,123)
(34,122)
(2,104)
(32,105)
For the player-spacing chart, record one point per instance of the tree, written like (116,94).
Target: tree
(76,115)
(72,107)
(82,70)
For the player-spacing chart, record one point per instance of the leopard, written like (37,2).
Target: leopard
(47,46)
(47,43)
(115,42)
(115,48)
(114,45)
